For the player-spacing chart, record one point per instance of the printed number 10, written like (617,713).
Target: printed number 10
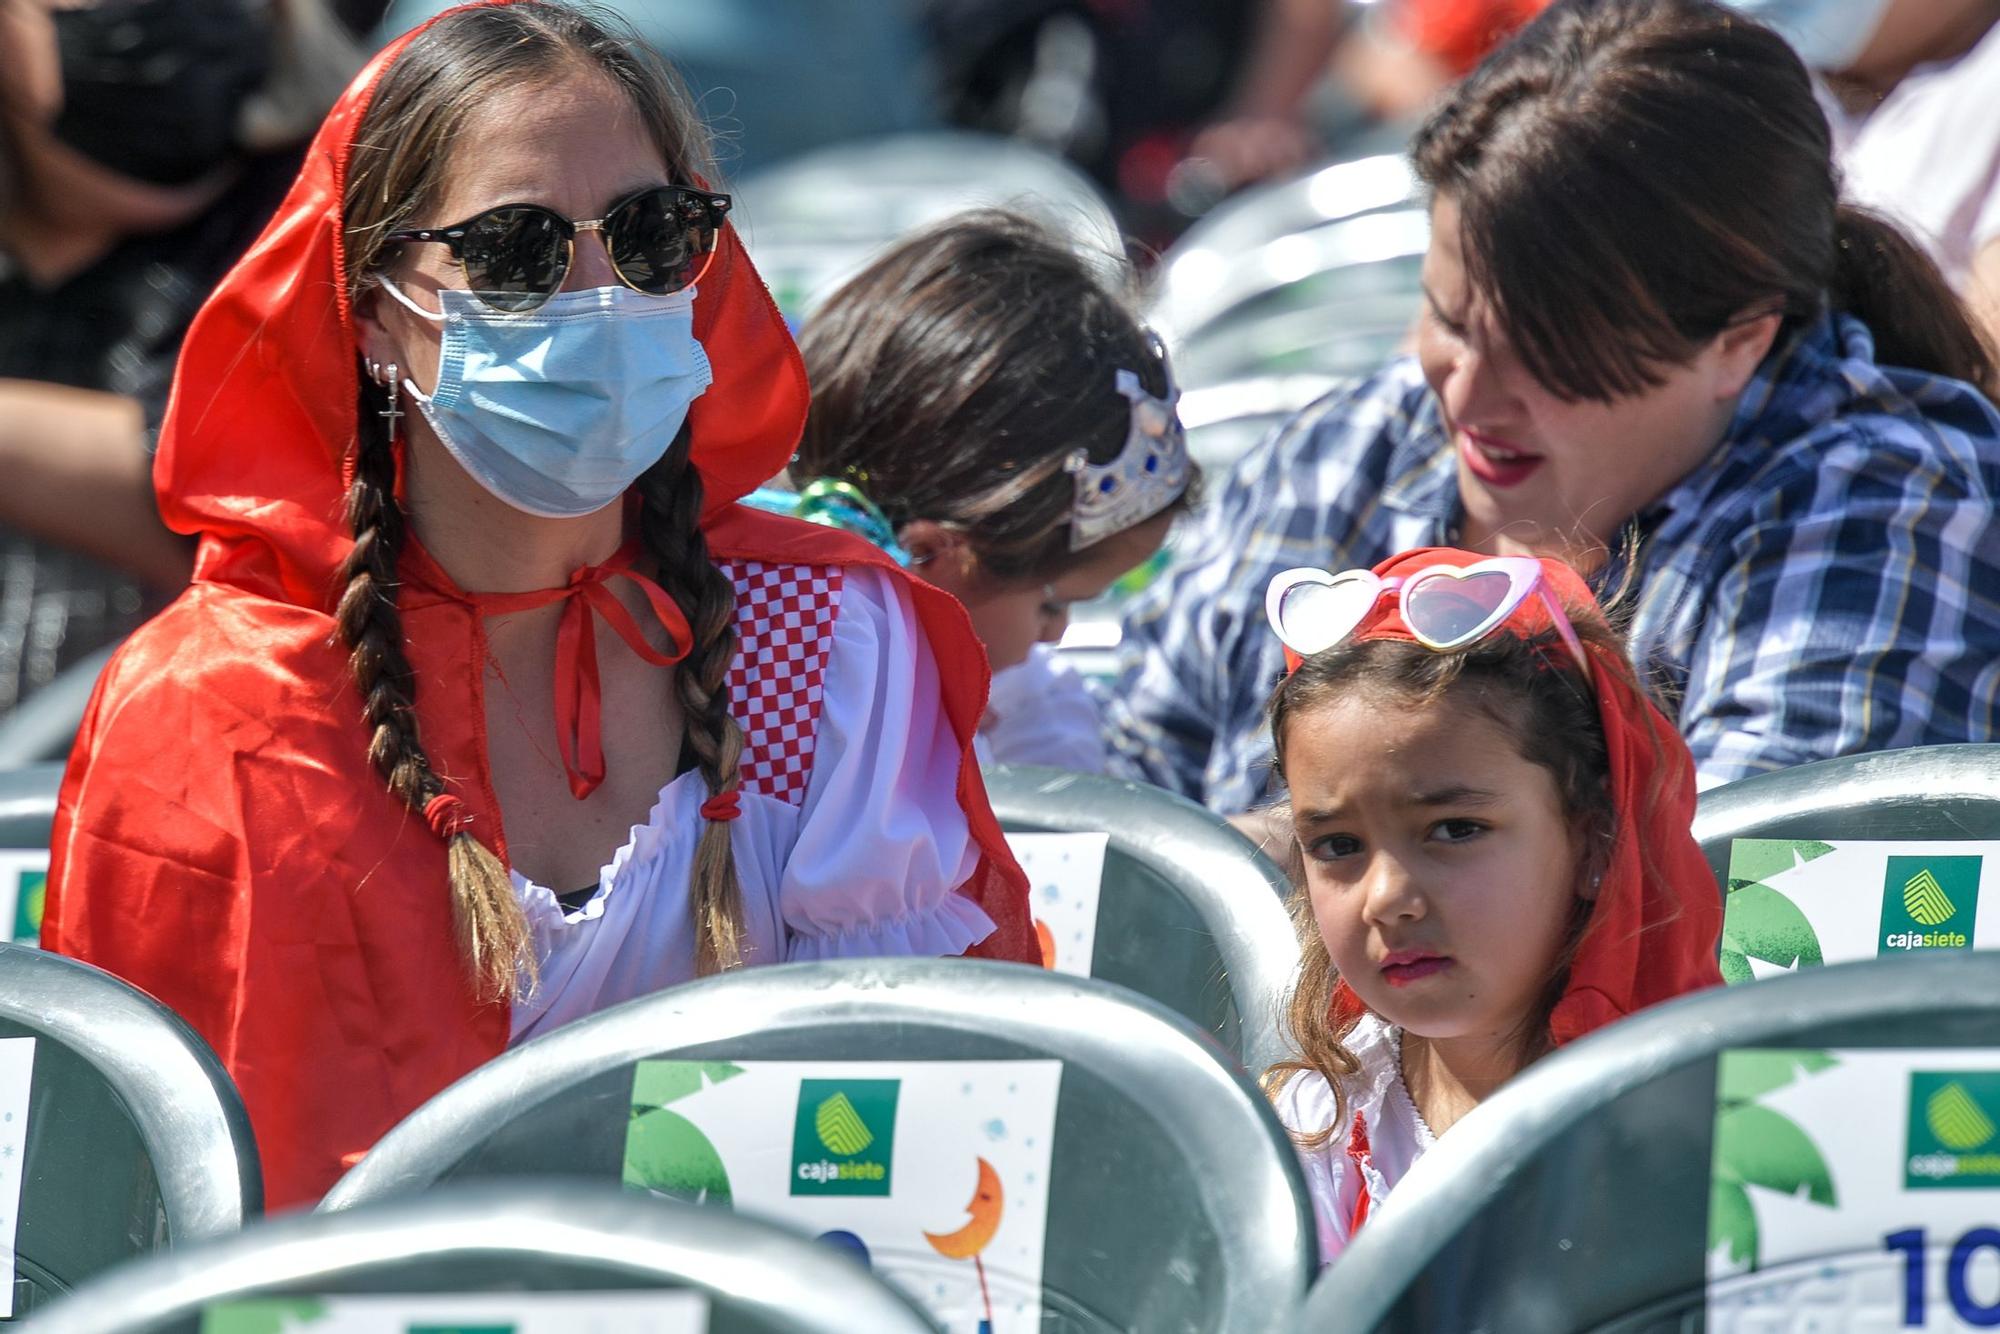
(1913,1247)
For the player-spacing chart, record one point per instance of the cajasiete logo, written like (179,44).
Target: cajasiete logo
(1929,903)
(844,1139)
(1954,1129)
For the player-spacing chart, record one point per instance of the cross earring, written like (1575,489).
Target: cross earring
(390,377)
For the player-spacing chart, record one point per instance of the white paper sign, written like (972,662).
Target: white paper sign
(24,876)
(1867,1180)
(480,1313)
(1065,880)
(17,1068)
(933,1173)
(1798,903)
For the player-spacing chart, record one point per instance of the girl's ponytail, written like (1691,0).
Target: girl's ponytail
(1892,286)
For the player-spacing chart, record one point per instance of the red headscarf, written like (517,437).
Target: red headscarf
(222,839)
(1657,922)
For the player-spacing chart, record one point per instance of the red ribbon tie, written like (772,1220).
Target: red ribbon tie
(579,696)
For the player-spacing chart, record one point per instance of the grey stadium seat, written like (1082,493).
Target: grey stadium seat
(494,1238)
(1577,1197)
(28,804)
(136,1138)
(43,726)
(1927,792)
(1192,915)
(1145,1228)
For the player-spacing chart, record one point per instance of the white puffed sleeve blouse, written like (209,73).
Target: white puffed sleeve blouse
(851,842)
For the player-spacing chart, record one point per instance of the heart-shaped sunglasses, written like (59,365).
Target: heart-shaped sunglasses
(1445,606)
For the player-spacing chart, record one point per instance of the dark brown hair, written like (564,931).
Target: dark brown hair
(1550,715)
(397,169)
(1634,176)
(954,377)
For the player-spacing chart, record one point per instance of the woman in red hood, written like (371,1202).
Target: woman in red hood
(1494,826)
(377,795)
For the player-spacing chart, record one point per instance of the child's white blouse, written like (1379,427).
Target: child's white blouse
(1392,1135)
(851,841)
(1040,711)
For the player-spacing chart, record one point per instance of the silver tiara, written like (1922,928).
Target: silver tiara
(1148,475)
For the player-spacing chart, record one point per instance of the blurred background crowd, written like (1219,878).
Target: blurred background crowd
(1244,157)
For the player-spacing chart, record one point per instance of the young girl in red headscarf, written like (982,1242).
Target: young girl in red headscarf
(1494,826)
(488,707)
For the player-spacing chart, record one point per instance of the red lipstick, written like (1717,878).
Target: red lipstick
(1496,462)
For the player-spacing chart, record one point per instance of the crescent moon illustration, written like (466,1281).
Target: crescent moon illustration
(970,1240)
(1047,940)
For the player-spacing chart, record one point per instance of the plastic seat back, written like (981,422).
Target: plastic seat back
(1169,1198)
(42,727)
(1926,792)
(1849,858)
(27,809)
(542,1256)
(134,1135)
(1191,914)
(1774,1137)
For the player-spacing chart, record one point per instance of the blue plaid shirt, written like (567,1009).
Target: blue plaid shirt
(1826,582)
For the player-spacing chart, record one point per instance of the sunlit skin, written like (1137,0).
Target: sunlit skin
(1537,475)
(1012,616)
(1442,871)
(1910,33)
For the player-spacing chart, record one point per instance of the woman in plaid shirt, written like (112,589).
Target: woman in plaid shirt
(1655,344)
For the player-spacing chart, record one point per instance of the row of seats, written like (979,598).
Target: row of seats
(1173,1199)
(136,1139)
(1188,913)
(1184,909)
(560,1247)
(1566,1204)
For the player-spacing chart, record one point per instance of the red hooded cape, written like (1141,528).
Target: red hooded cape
(1654,932)
(222,840)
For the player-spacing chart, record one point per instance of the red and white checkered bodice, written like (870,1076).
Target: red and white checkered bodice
(784,627)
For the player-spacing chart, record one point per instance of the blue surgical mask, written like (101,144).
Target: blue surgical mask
(559,410)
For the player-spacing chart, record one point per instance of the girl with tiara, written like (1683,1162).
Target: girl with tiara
(989,411)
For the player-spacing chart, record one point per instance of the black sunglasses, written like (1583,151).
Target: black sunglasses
(516,256)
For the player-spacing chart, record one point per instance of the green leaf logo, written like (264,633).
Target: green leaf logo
(1929,903)
(839,1126)
(1925,901)
(1761,923)
(665,1153)
(263,1315)
(1956,1119)
(1754,859)
(1756,1146)
(844,1136)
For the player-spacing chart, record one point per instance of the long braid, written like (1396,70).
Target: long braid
(670,522)
(492,932)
